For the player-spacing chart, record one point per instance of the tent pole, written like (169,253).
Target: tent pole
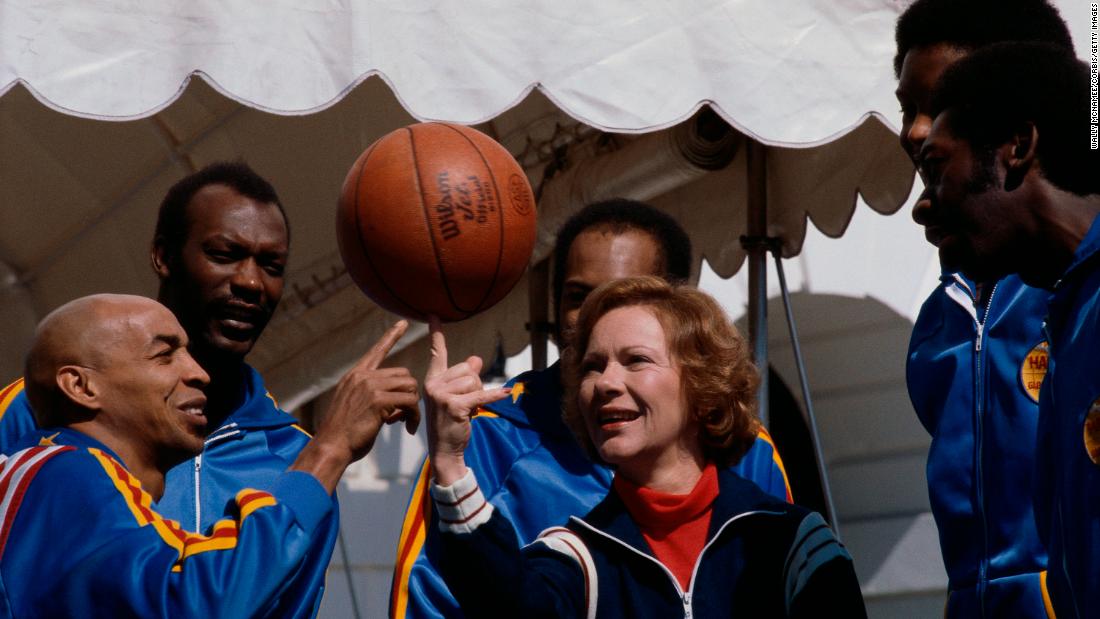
(538,326)
(757,229)
(810,419)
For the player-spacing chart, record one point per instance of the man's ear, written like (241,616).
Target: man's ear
(1019,153)
(159,259)
(78,385)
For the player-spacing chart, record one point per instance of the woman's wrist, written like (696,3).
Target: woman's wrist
(448,468)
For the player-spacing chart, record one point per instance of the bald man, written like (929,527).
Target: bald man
(220,251)
(120,402)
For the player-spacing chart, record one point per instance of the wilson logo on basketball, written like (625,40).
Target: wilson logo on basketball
(445,210)
(470,200)
(520,193)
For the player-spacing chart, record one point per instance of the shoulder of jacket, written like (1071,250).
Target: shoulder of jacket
(38,455)
(10,392)
(284,442)
(566,542)
(79,470)
(812,546)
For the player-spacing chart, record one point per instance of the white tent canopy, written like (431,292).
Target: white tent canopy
(781,71)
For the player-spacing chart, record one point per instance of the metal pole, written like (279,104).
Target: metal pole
(538,287)
(347,572)
(811,421)
(757,229)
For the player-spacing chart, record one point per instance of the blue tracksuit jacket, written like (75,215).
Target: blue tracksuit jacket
(763,558)
(80,538)
(252,449)
(973,378)
(535,473)
(1068,493)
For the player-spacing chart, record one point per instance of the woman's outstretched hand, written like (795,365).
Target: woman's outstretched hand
(451,395)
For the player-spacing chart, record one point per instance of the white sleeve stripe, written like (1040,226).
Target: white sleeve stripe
(570,544)
(17,473)
(463,518)
(462,507)
(17,468)
(460,499)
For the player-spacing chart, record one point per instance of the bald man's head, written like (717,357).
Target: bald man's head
(73,334)
(117,366)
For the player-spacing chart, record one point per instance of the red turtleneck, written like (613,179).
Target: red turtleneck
(674,525)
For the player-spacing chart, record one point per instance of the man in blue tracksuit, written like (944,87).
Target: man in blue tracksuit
(220,250)
(1012,188)
(528,463)
(971,381)
(121,402)
(977,354)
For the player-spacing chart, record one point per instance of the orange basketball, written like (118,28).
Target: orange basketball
(436,218)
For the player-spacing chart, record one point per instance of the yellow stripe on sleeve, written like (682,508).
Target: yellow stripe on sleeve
(223,536)
(1047,604)
(138,500)
(416,521)
(250,500)
(777,460)
(7,394)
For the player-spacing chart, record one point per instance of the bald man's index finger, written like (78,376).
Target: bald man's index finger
(437,364)
(377,353)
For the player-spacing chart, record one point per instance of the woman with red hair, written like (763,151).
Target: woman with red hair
(659,386)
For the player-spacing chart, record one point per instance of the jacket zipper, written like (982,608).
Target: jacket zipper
(198,484)
(214,437)
(685,597)
(980,400)
(979,414)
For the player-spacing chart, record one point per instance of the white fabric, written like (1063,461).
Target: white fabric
(785,71)
(570,544)
(461,506)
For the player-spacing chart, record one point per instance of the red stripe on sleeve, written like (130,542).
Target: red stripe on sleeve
(14,466)
(417,524)
(12,508)
(406,550)
(252,496)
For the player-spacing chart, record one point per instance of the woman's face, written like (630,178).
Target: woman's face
(631,396)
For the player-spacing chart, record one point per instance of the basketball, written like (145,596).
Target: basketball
(436,218)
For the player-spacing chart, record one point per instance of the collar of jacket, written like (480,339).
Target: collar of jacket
(258,409)
(737,497)
(535,403)
(956,278)
(1086,252)
(1084,262)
